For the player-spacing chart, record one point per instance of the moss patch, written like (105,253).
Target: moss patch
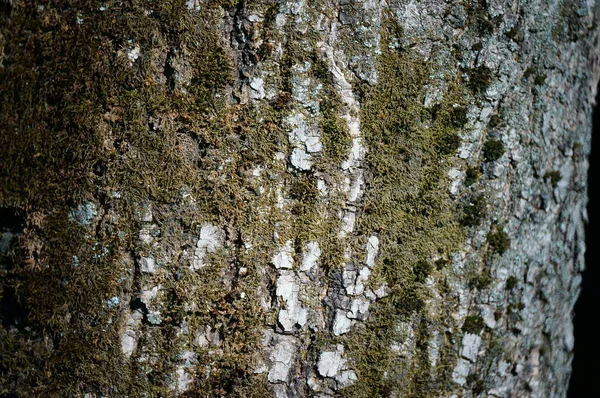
(499,241)
(408,205)
(493,150)
(480,79)
(87,120)
(553,176)
(473,324)
(473,211)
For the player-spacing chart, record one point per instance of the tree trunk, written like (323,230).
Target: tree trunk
(311,198)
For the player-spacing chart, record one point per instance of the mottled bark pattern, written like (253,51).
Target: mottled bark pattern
(304,198)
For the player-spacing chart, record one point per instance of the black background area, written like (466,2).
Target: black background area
(585,379)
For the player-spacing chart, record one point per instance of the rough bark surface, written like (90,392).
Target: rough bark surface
(355,198)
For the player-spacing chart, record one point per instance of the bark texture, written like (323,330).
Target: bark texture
(312,198)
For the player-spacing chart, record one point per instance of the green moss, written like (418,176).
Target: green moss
(473,174)
(448,144)
(473,324)
(512,33)
(498,241)
(515,308)
(553,176)
(82,122)
(493,150)
(539,80)
(408,205)
(422,270)
(473,211)
(480,79)
(335,137)
(481,281)
(511,282)
(528,72)
(440,263)
(495,121)
(478,17)
(478,386)
(458,116)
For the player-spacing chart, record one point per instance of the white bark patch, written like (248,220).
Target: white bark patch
(461,371)
(147,296)
(193,5)
(433,349)
(341,323)
(295,313)
(282,358)
(471,343)
(300,159)
(182,377)
(303,135)
(133,322)
(206,337)
(359,307)
(372,250)
(147,265)
(310,255)
(405,345)
(133,52)
(257,86)
(332,364)
(211,240)
(355,186)
(348,221)
(283,258)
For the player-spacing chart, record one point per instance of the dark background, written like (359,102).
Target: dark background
(585,379)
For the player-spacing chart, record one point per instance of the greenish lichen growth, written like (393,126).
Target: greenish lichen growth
(458,116)
(422,270)
(493,150)
(512,33)
(515,308)
(448,144)
(495,121)
(499,241)
(539,80)
(477,385)
(478,16)
(529,72)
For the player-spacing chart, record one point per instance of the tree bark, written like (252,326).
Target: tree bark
(317,198)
